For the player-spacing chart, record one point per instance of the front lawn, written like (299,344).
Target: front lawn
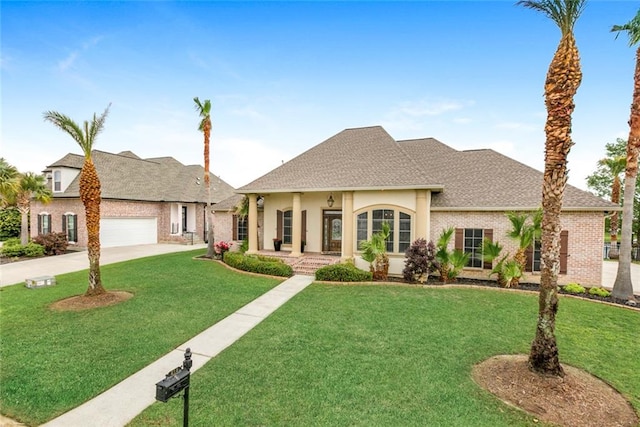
(395,356)
(52,361)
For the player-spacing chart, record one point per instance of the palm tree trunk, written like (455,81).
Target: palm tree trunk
(90,197)
(614,220)
(24,223)
(207,182)
(563,80)
(622,287)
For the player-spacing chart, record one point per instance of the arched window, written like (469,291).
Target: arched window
(370,221)
(70,226)
(44,223)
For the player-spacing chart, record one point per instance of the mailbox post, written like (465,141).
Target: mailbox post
(176,381)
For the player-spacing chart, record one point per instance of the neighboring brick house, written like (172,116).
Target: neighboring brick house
(339,192)
(156,200)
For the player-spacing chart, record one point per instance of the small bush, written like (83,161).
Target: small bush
(601,292)
(420,261)
(258,264)
(10,223)
(574,288)
(343,273)
(12,250)
(53,243)
(244,247)
(33,250)
(14,241)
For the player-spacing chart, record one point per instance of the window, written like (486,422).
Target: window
(473,246)
(361,228)
(44,223)
(57,181)
(242,225)
(70,226)
(404,235)
(286,227)
(399,228)
(537,250)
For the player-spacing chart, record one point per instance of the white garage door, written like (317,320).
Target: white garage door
(128,231)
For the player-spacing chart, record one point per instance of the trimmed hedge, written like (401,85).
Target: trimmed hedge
(258,264)
(12,248)
(343,273)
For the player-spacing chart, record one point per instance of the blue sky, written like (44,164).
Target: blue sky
(285,76)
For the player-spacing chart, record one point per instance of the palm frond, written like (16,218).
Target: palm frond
(564,13)
(632,28)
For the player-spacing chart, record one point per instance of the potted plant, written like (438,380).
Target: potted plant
(277,243)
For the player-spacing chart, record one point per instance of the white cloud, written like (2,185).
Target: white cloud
(515,126)
(411,115)
(66,63)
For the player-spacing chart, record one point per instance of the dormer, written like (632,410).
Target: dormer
(60,178)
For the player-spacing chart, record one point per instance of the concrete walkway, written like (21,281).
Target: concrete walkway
(121,403)
(17,272)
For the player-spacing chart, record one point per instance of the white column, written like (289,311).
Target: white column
(347,225)
(253,224)
(296,226)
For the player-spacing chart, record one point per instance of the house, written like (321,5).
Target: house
(335,195)
(156,200)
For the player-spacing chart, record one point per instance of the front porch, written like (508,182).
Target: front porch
(307,264)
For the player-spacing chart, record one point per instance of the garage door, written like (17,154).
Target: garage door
(128,231)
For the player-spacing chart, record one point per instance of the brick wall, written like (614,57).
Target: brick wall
(586,238)
(113,209)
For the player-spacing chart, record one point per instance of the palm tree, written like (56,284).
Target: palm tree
(8,181)
(615,166)
(30,186)
(563,79)
(204,110)
(524,232)
(622,287)
(90,193)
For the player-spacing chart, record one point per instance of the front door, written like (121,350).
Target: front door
(332,231)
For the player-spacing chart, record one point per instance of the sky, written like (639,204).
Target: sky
(284,76)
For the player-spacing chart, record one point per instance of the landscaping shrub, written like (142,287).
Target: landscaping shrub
(343,273)
(53,243)
(574,288)
(13,241)
(244,246)
(33,250)
(601,292)
(11,249)
(258,264)
(420,261)
(9,223)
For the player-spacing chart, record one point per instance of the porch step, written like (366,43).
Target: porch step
(307,264)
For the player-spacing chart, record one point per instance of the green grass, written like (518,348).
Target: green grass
(53,361)
(394,356)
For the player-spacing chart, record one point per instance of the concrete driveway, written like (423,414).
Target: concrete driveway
(17,272)
(610,270)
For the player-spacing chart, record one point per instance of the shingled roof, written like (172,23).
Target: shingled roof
(125,176)
(369,158)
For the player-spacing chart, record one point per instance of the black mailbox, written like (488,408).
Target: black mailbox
(175,381)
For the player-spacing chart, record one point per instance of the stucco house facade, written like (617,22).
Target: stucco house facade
(339,192)
(144,201)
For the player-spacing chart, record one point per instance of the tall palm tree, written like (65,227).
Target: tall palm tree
(614,166)
(90,193)
(204,110)
(622,287)
(28,186)
(563,79)
(8,181)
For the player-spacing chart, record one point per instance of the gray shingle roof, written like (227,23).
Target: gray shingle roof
(125,176)
(364,158)
(369,158)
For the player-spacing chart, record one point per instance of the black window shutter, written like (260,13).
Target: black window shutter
(64,224)
(304,226)
(39,224)
(488,235)
(528,253)
(564,251)
(234,221)
(459,239)
(49,223)
(279,225)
